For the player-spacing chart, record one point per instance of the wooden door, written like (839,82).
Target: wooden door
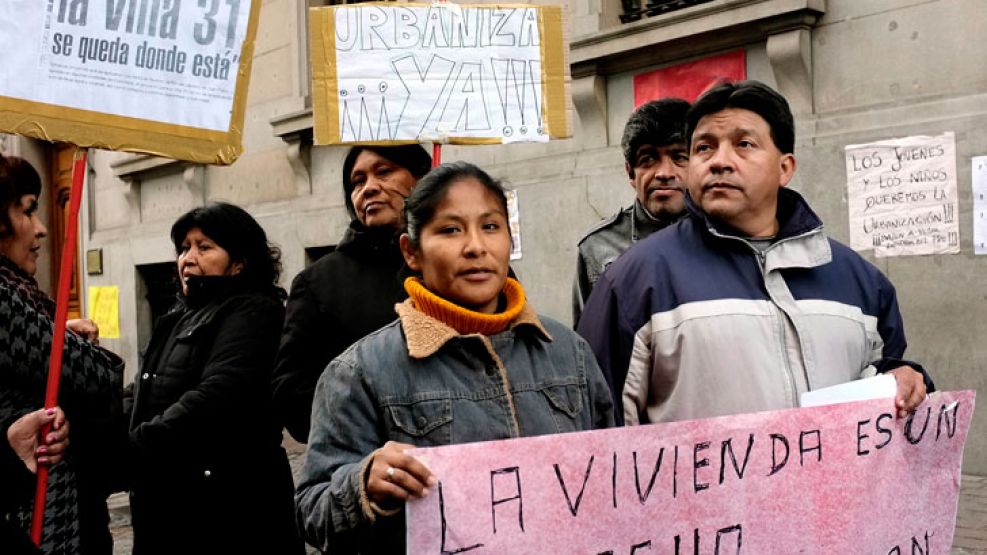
(62,158)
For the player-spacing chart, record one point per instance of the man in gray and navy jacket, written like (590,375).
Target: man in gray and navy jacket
(745,304)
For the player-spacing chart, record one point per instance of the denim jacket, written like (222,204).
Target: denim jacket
(418,381)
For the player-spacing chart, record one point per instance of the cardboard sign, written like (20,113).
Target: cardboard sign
(902,196)
(406,73)
(162,77)
(849,478)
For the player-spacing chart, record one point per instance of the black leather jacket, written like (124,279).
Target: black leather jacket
(603,243)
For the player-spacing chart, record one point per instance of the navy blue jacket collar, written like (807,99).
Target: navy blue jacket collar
(795,217)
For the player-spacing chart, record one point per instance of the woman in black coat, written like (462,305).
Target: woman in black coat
(209,474)
(351,291)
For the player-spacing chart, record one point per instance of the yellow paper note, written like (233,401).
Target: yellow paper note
(104,309)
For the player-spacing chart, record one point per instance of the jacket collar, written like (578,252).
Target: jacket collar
(359,239)
(643,223)
(796,219)
(203,290)
(426,335)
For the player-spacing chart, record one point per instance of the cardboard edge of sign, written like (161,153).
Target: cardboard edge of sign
(325,99)
(84,128)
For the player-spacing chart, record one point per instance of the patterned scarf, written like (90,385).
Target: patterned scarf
(25,286)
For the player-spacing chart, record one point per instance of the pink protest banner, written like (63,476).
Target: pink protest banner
(848,478)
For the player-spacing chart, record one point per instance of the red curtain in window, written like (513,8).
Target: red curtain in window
(689,80)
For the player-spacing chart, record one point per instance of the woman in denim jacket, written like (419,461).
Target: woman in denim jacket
(467,360)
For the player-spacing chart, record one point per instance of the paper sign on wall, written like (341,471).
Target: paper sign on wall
(514,220)
(389,74)
(979,173)
(104,309)
(162,77)
(902,196)
(848,478)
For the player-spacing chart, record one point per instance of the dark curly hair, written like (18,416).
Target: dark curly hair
(232,228)
(656,123)
(17,178)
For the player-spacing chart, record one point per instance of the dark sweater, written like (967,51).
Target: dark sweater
(333,303)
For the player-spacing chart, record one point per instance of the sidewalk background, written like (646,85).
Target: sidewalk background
(971,520)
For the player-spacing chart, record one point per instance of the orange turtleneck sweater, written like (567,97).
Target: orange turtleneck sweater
(464,320)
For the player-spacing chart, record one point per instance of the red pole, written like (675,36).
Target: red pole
(436,154)
(58,337)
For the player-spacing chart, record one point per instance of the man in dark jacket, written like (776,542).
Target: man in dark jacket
(351,291)
(745,304)
(655,160)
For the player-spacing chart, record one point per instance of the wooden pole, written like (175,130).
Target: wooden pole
(58,336)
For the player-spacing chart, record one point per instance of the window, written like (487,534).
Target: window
(635,10)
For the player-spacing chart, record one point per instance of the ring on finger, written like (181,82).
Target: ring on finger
(390,473)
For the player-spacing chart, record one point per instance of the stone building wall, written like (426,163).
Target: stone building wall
(854,71)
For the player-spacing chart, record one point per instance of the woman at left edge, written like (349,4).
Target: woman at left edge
(76,518)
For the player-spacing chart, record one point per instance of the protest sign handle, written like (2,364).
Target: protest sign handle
(58,336)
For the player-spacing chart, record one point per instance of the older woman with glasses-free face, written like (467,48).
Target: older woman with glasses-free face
(351,291)
(209,474)
(23,232)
